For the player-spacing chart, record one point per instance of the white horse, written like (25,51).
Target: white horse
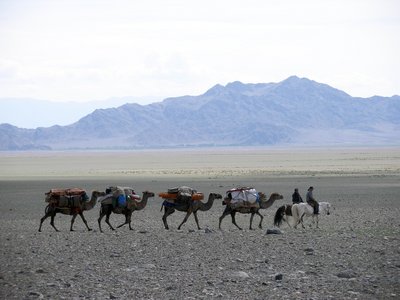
(300,210)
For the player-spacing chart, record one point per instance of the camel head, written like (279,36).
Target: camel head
(276,196)
(216,196)
(148,193)
(98,194)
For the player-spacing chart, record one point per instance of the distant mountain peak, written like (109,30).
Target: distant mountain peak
(295,111)
(215,90)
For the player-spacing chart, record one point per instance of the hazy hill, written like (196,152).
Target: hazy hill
(296,111)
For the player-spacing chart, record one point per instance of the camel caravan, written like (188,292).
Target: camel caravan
(124,201)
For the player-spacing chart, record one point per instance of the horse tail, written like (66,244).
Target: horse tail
(279,216)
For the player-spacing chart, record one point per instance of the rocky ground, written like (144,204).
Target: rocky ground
(355,253)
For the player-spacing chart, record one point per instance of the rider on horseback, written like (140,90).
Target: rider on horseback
(311,200)
(296,198)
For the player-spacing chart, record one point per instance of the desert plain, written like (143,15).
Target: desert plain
(354,254)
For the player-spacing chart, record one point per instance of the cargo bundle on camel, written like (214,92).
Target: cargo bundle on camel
(179,195)
(243,196)
(66,197)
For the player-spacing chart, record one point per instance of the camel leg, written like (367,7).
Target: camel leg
(234,220)
(108,220)
(185,219)
(84,221)
(167,212)
(262,218)
(196,219)
(52,221)
(72,221)
(102,214)
(42,220)
(224,214)
(251,220)
(127,221)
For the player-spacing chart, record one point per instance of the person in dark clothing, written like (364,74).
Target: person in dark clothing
(296,198)
(311,200)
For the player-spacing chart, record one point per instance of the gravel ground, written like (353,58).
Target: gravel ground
(355,253)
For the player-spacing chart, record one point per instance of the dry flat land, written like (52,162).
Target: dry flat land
(355,254)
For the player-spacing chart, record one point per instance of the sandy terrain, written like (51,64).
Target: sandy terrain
(355,254)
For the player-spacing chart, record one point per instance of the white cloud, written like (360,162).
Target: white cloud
(86,50)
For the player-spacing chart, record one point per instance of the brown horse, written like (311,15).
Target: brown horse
(281,215)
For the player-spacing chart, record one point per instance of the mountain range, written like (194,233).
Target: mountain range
(295,111)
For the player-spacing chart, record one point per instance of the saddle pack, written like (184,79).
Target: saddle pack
(242,196)
(72,197)
(120,196)
(183,194)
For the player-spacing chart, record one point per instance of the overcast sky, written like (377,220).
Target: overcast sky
(93,50)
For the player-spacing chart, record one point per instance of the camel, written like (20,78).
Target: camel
(191,206)
(107,208)
(52,209)
(263,204)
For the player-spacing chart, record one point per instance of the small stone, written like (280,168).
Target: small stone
(40,271)
(309,251)
(278,276)
(36,295)
(346,274)
(273,231)
(208,230)
(241,274)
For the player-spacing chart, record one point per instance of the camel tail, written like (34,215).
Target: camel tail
(162,205)
(279,216)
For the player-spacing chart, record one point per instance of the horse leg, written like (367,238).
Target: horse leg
(189,212)
(167,212)
(196,219)
(233,213)
(84,221)
(287,222)
(260,225)
(301,221)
